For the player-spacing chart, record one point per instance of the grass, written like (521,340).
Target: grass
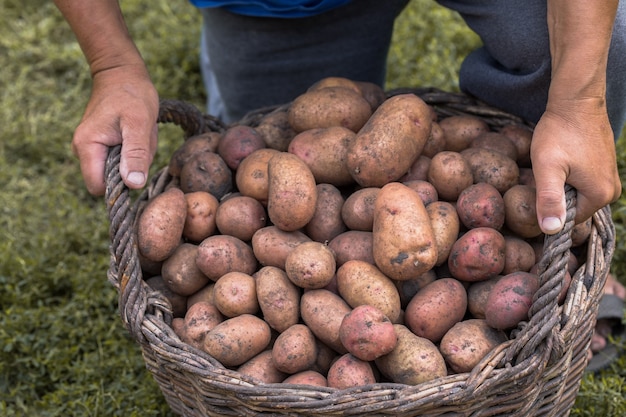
(63,350)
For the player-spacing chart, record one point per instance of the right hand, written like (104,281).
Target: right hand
(123,109)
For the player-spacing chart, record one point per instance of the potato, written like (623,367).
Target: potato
(177,301)
(436,141)
(477,255)
(521,136)
(510,299)
(367,333)
(180,272)
(468,342)
(481,205)
(357,211)
(195,144)
(352,245)
(160,225)
(445,224)
(407,289)
(349,372)
(460,130)
(388,144)
(294,349)
(310,265)
(326,222)
(519,255)
(527,177)
(206,171)
(362,283)
(335,82)
(520,211)
(220,254)
(581,232)
(278,297)
(275,129)
(271,245)
(323,312)
(238,339)
(426,190)
(418,170)
(450,174)
(178,325)
(261,368)
(204,294)
(235,294)
(200,319)
(325,150)
(492,167)
(200,219)
(329,106)
(292,192)
(240,216)
(413,361)
(477,294)
(325,357)
(436,308)
(251,176)
(373,93)
(308,377)
(237,142)
(496,142)
(404,243)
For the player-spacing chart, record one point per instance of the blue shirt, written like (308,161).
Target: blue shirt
(273,8)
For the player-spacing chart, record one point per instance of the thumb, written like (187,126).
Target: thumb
(138,149)
(551,205)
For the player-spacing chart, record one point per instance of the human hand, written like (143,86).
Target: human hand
(573,144)
(123,109)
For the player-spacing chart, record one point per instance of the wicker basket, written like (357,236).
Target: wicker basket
(536,373)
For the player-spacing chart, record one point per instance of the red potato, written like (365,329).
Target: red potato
(357,211)
(200,220)
(206,171)
(426,190)
(294,349)
(220,254)
(199,320)
(309,377)
(235,294)
(477,255)
(310,265)
(352,245)
(326,222)
(349,372)
(367,333)
(261,367)
(510,299)
(240,216)
(481,205)
(418,170)
(323,311)
(237,142)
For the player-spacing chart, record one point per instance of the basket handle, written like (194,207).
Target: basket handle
(135,296)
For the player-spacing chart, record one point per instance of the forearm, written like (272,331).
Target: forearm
(101,32)
(580,35)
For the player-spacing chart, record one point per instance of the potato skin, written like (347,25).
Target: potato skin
(393,137)
(349,371)
(481,205)
(261,367)
(235,294)
(160,225)
(292,192)
(323,311)
(271,245)
(220,254)
(367,333)
(445,223)
(308,377)
(477,294)
(279,298)
(238,339)
(492,167)
(510,299)
(200,219)
(203,142)
(326,222)
(240,216)
(275,129)
(436,308)
(404,244)
(520,211)
(180,272)
(294,349)
(237,142)
(460,130)
(450,174)
(477,255)
(352,245)
(357,211)
(310,265)
(251,176)
(199,320)
(519,255)
(413,361)
(206,171)
(496,142)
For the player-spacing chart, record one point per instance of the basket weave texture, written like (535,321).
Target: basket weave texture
(536,373)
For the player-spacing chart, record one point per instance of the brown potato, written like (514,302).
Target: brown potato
(349,372)
(326,222)
(261,368)
(160,225)
(310,265)
(192,145)
(445,224)
(352,245)
(240,216)
(477,255)
(367,333)
(278,297)
(418,170)
(204,294)
(251,177)
(460,130)
(373,93)
(497,142)
(323,312)
(413,361)
(477,294)
(177,301)
(393,137)
(519,255)
(275,129)
(292,192)
(308,377)
(581,232)
(426,190)
(325,150)
(220,254)
(407,289)
(271,245)
(521,136)
(520,211)
(200,319)
(235,294)
(206,171)
(450,174)
(335,82)
(294,349)
(492,167)
(238,339)
(468,342)
(510,299)
(404,243)
(200,220)
(329,106)
(436,308)
(237,142)
(180,272)
(357,211)
(436,141)
(481,205)
(362,283)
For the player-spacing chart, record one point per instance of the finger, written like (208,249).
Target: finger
(92,161)
(138,148)
(551,206)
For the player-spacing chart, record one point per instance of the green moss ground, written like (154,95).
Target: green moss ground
(63,350)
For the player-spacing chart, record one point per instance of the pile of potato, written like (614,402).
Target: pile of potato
(348,239)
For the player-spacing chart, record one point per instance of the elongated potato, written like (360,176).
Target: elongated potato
(445,223)
(388,144)
(292,192)
(323,311)
(238,339)
(404,244)
(327,222)
(279,298)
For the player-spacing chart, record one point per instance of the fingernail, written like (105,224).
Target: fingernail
(137,178)
(552,224)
